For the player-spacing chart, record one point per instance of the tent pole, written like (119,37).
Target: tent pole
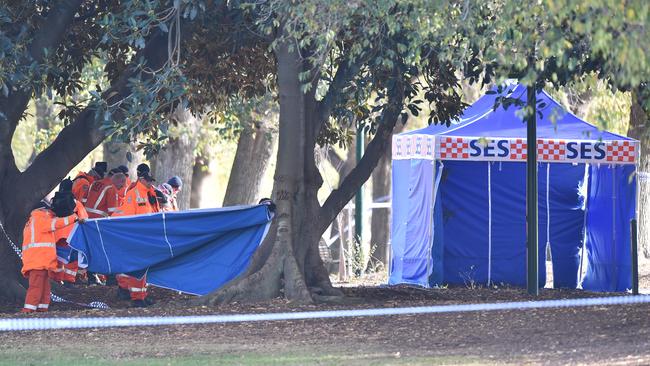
(635,258)
(531,194)
(358,199)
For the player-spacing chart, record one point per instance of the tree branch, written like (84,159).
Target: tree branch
(334,158)
(344,75)
(48,36)
(361,172)
(80,137)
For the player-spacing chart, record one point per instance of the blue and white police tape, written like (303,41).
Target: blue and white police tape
(99,322)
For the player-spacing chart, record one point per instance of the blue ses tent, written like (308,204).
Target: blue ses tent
(459,200)
(194,251)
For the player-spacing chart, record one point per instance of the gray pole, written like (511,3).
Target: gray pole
(358,200)
(635,258)
(531,194)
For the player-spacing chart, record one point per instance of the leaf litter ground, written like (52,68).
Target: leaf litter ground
(592,335)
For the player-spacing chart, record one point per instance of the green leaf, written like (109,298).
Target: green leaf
(140,43)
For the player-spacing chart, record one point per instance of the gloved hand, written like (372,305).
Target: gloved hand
(152,199)
(268,202)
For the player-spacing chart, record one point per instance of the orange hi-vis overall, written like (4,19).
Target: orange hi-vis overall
(81,185)
(39,256)
(136,202)
(67,271)
(102,199)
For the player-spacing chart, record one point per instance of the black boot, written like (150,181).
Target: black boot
(111,280)
(123,294)
(138,304)
(149,301)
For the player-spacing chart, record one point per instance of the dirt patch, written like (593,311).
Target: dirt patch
(590,335)
(601,335)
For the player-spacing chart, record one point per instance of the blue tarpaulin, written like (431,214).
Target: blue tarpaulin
(459,199)
(194,251)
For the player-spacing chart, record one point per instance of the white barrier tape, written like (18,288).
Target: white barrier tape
(67,323)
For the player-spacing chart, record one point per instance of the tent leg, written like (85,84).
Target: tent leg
(531,194)
(635,258)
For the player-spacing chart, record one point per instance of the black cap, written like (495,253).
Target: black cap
(143,169)
(101,167)
(65,185)
(123,169)
(269,202)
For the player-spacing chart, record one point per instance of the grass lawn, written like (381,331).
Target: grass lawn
(100,357)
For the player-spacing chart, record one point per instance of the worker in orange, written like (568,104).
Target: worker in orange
(81,183)
(124,170)
(103,196)
(39,254)
(65,204)
(103,200)
(140,199)
(141,196)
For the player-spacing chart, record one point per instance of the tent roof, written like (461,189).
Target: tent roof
(480,120)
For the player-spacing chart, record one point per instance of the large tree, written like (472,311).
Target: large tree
(257,122)
(339,66)
(640,129)
(48,46)
(367,48)
(176,157)
(41,48)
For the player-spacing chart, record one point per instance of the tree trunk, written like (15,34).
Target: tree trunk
(640,129)
(12,284)
(380,219)
(252,158)
(200,172)
(288,263)
(177,157)
(115,154)
(44,117)
(341,248)
(278,268)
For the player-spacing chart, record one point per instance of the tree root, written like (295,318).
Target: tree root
(280,271)
(12,291)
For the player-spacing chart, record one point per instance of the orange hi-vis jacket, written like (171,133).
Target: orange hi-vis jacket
(136,201)
(122,192)
(103,199)
(81,185)
(65,231)
(39,248)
